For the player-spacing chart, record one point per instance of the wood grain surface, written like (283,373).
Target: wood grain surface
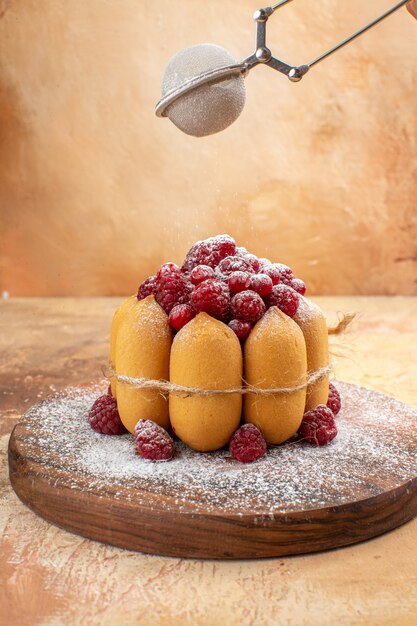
(158,514)
(50,577)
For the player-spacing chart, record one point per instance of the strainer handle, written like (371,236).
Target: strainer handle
(295,74)
(357,33)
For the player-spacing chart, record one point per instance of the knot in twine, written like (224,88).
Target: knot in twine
(166,387)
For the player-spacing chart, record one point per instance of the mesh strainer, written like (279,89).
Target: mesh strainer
(211,86)
(203,89)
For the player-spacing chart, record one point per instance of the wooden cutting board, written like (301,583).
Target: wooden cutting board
(298,499)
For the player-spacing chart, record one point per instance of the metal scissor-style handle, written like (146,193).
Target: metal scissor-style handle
(263,54)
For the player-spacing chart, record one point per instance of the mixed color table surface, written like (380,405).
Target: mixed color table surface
(51,577)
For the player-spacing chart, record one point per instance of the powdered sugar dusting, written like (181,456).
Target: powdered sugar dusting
(307,310)
(375,450)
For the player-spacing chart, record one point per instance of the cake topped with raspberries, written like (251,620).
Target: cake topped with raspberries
(224,350)
(225,281)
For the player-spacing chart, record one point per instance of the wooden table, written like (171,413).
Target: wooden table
(50,577)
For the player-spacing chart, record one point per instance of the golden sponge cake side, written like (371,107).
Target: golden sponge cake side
(206,354)
(142,350)
(117,317)
(310,318)
(275,357)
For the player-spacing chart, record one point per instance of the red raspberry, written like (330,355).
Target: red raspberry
(261,283)
(273,273)
(334,402)
(213,297)
(180,315)
(253,260)
(104,417)
(298,285)
(318,426)
(209,252)
(285,298)
(166,270)
(198,254)
(109,392)
(221,246)
(286,273)
(147,288)
(247,444)
(201,273)
(242,329)
(263,263)
(172,287)
(238,281)
(233,264)
(153,442)
(247,306)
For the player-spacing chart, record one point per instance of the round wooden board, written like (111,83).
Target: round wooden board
(298,499)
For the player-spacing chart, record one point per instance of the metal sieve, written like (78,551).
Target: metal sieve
(203,90)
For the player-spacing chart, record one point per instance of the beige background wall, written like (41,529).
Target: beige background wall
(95,192)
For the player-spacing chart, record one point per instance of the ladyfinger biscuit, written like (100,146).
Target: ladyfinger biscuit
(275,357)
(118,315)
(312,322)
(206,354)
(143,344)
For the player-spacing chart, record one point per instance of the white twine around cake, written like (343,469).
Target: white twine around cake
(166,387)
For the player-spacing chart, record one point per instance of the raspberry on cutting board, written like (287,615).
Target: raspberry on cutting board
(104,417)
(247,444)
(153,442)
(318,426)
(334,402)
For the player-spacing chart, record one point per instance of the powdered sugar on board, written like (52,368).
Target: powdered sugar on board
(375,451)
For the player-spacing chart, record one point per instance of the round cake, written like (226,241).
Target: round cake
(225,339)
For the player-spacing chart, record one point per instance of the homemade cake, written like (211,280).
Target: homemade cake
(228,337)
